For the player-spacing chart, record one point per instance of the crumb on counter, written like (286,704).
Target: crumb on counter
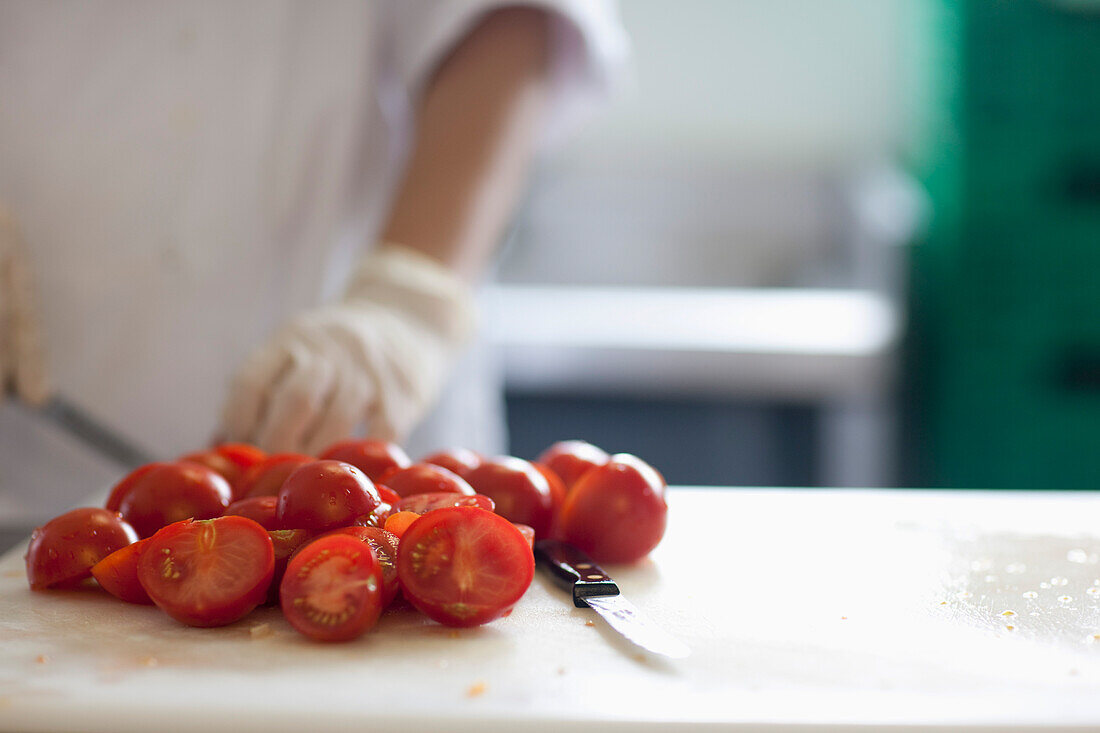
(259,631)
(148,661)
(453,634)
(476,690)
(589,622)
(42,659)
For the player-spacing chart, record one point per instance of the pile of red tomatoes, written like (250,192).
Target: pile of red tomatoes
(335,539)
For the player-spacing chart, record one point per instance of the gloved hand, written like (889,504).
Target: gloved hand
(379,356)
(22,365)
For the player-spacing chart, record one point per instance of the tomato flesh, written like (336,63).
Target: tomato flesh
(173,492)
(325,495)
(66,548)
(117,574)
(616,512)
(332,590)
(426,478)
(424,503)
(208,573)
(373,457)
(464,566)
(385,546)
(285,542)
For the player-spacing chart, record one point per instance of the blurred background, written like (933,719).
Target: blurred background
(813,243)
(894,208)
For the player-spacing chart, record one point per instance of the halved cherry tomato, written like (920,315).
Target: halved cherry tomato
(426,478)
(424,503)
(215,461)
(117,574)
(385,546)
(173,492)
(527,532)
(457,460)
(245,456)
(332,590)
(114,499)
(267,476)
(260,509)
(325,495)
(521,493)
(571,459)
(373,457)
(210,572)
(464,566)
(64,549)
(377,517)
(398,522)
(616,512)
(388,495)
(285,542)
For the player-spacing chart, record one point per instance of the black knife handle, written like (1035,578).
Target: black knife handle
(573,569)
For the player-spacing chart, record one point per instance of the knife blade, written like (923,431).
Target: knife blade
(77,423)
(593,588)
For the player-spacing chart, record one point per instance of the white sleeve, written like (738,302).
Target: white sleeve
(589,48)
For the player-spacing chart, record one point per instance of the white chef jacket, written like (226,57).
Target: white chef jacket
(187,175)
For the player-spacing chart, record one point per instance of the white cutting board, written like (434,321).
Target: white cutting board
(803,608)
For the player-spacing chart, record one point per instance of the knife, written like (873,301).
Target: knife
(593,588)
(77,423)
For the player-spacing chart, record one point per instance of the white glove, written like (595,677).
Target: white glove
(378,357)
(22,366)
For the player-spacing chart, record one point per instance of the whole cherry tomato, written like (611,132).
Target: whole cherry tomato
(616,512)
(117,574)
(464,566)
(325,495)
(425,478)
(63,550)
(260,509)
(267,477)
(333,587)
(210,572)
(218,463)
(373,457)
(173,492)
(114,499)
(456,460)
(571,459)
(245,456)
(520,492)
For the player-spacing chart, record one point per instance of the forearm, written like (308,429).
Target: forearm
(477,126)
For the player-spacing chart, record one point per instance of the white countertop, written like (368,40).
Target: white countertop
(928,610)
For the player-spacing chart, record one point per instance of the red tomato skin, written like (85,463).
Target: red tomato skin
(376,518)
(456,460)
(218,463)
(117,574)
(616,512)
(267,476)
(385,546)
(260,509)
(436,588)
(373,457)
(571,459)
(245,456)
(424,503)
(358,563)
(520,492)
(527,532)
(557,497)
(164,571)
(66,548)
(174,492)
(325,495)
(114,499)
(388,495)
(426,478)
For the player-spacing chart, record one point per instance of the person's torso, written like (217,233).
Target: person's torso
(183,173)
